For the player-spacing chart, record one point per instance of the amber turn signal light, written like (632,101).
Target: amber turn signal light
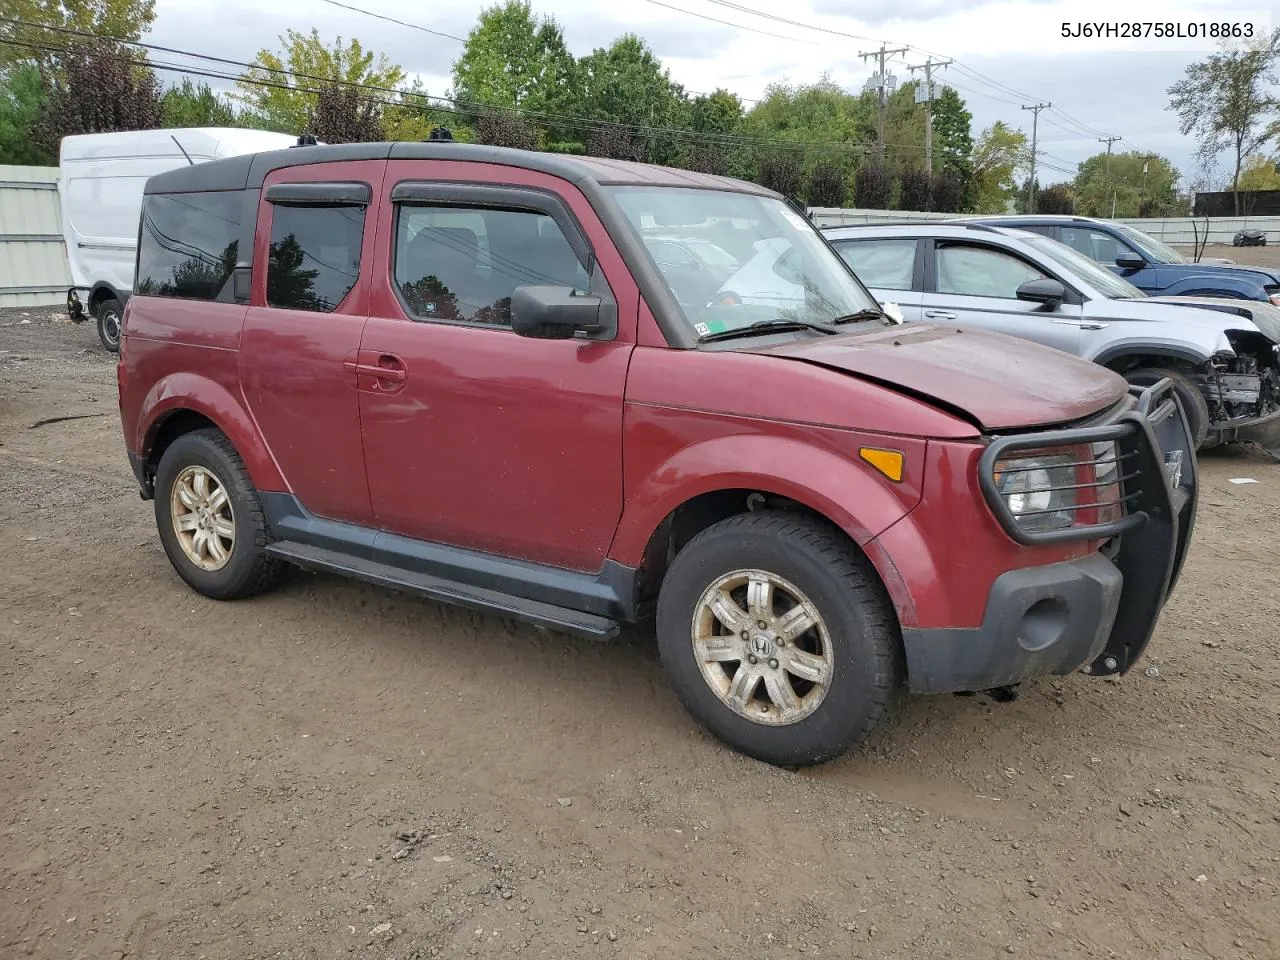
(888,462)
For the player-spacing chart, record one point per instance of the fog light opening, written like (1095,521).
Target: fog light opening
(1043,624)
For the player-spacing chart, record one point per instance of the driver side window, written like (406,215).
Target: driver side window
(972,271)
(1094,244)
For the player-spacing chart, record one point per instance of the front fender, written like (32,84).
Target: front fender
(1212,284)
(821,471)
(190,391)
(1196,350)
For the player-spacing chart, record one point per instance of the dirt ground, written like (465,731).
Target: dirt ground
(335,770)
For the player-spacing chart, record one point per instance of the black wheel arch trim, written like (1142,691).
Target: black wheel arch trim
(1166,351)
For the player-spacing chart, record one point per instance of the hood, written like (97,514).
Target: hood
(1254,313)
(1208,268)
(998,382)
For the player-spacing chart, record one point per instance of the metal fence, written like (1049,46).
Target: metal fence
(1181,231)
(33,262)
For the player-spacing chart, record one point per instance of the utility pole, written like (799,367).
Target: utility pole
(1031,183)
(881,79)
(1109,141)
(927,67)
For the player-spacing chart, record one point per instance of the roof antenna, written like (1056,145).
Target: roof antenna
(306,140)
(440,134)
(190,162)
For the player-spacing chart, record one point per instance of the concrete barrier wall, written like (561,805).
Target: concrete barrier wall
(33,262)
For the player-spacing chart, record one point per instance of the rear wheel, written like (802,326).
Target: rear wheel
(210,519)
(778,637)
(110,313)
(1193,401)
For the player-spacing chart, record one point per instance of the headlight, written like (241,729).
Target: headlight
(1039,490)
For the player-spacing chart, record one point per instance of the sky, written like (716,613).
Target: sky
(1006,53)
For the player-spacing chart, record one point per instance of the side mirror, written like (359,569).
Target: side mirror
(1130,261)
(241,284)
(553,313)
(1045,290)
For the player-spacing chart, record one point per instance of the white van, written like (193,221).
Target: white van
(100,181)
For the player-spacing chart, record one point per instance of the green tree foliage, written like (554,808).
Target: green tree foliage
(98,88)
(873,187)
(344,115)
(196,105)
(22,99)
(513,60)
(500,129)
(1094,187)
(120,19)
(915,190)
(997,157)
(952,136)
(1058,198)
(626,83)
(782,173)
(827,185)
(614,143)
(309,64)
(1260,173)
(1226,99)
(412,117)
(947,191)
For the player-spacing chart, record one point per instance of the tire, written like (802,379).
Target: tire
(858,632)
(246,568)
(1193,401)
(110,315)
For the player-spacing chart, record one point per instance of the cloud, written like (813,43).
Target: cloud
(874,13)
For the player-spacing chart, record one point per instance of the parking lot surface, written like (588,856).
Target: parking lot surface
(335,770)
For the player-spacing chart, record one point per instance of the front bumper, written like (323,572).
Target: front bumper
(1264,431)
(1098,612)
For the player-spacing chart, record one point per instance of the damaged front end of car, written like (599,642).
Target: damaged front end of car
(1242,389)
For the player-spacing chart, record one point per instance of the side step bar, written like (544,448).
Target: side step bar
(587,625)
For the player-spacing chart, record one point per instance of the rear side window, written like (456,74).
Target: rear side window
(315,256)
(460,264)
(887,264)
(187,247)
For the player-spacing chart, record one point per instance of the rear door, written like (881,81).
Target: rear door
(892,268)
(302,333)
(975,284)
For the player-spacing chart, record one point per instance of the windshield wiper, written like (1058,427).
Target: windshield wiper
(767,326)
(871,313)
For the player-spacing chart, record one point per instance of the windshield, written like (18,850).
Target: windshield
(1156,251)
(772,264)
(1100,278)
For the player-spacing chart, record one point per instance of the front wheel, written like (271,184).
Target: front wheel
(1193,401)
(110,314)
(778,637)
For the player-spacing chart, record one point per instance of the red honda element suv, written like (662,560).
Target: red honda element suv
(581,392)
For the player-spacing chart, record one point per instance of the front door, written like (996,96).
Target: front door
(303,329)
(474,436)
(976,285)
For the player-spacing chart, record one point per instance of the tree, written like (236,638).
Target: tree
(997,156)
(1225,100)
(505,130)
(1260,173)
(915,189)
(1057,198)
(411,117)
(827,187)
(196,105)
(947,191)
(614,143)
(781,173)
(1126,184)
(22,100)
(345,115)
(952,136)
(98,88)
(872,187)
(303,67)
(627,84)
(512,60)
(119,19)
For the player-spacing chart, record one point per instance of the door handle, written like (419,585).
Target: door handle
(388,367)
(939,315)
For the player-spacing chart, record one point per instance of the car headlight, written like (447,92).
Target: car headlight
(1040,491)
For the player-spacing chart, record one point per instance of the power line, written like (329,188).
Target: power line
(401,23)
(740,26)
(794,23)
